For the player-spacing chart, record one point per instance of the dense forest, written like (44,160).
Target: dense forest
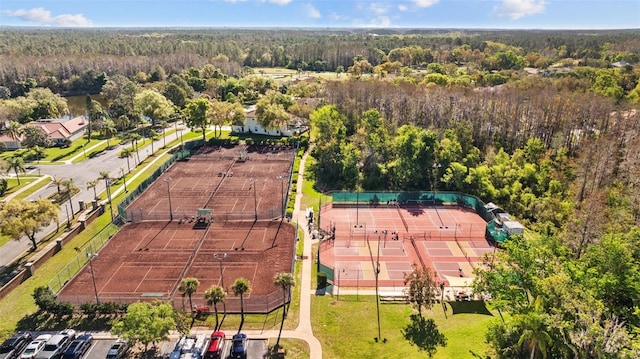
(543,123)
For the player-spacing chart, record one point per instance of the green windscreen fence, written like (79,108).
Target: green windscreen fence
(408,198)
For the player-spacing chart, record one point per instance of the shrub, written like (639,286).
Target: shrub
(3,186)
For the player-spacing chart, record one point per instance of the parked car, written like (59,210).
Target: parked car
(239,346)
(78,347)
(54,347)
(118,350)
(216,346)
(12,347)
(35,346)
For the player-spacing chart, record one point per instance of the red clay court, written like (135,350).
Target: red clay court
(147,259)
(449,239)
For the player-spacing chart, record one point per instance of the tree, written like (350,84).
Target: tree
(153,105)
(534,330)
(108,130)
(35,136)
(94,113)
(107,184)
(70,187)
(271,110)
(127,153)
(187,287)
(286,282)
(16,164)
(422,288)
(240,287)
(145,323)
(196,113)
(213,296)
(135,137)
(93,184)
(15,130)
(19,217)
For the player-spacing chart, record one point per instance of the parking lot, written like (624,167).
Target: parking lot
(256,348)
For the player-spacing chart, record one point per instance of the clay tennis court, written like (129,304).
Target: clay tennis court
(448,239)
(147,259)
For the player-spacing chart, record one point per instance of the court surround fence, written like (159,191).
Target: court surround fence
(346,199)
(405,199)
(93,246)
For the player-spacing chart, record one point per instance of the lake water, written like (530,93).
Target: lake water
(77,104)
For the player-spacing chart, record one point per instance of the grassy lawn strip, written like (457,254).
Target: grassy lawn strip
(347,328)
(295,348)
(12,184)
(41,183)
(311,197)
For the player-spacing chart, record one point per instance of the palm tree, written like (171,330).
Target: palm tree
(39,152)
(152,136)
(17,165)
(213,296)
(164,124)
(240,287)
(57,181)
(187,287)
(108,130)
(14,130)
(135,138)
(284,281)
(127,153)
(105,176)
(534,330)
(69,187)
(93,184)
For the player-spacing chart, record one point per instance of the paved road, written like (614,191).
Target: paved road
(81,173)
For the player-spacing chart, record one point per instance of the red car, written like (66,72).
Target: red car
(216,346)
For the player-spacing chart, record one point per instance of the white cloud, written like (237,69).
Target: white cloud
(425,3)
(234,1)
(312,12)
(403,7)
(279,2)
(378,8)
(40,16)
(380,21)
(516,9)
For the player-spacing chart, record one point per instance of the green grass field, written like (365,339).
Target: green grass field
(347,328)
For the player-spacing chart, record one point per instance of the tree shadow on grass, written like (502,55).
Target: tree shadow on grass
(45,321)
(424,334)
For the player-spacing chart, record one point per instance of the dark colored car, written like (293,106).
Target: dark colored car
(118,350)
(78,347)
(216,345)
(239,346)
(12,347)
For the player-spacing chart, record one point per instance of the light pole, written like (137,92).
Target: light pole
(253,183)
(377,273)
(168,180)
(282,177)
(93,276)
(220,257)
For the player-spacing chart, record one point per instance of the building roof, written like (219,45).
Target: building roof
(60,128)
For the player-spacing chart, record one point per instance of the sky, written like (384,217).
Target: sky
(467,14)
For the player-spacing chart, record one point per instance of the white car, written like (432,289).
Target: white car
(35,347)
